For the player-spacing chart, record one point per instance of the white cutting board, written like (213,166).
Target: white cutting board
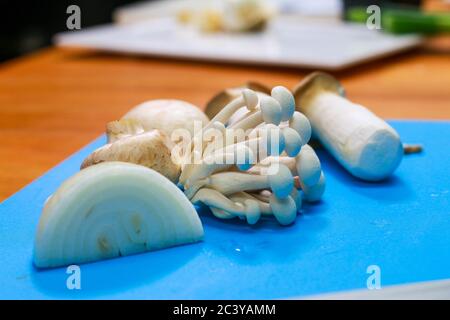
(291,42)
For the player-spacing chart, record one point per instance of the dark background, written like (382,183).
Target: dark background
(29,25)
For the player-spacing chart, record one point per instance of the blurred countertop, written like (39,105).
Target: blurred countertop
(55,101)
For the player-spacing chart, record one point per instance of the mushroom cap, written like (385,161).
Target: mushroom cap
(251,99)
(219,126)
(167,115)
(313,84)
(273,139)
(300,123)
(270,110)
(286,100)
(293,141)
(226,96)
(284,210)
(244,157)
(280,179)
(315,192)
(252,211)
(308,166)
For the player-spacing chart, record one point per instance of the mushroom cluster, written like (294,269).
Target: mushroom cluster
(267,170)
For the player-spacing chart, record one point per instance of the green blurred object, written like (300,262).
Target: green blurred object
(405,21)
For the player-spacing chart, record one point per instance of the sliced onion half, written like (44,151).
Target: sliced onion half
(113,209)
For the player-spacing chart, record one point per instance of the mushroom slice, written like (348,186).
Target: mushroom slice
(113,209)
(151,149)
(116,130)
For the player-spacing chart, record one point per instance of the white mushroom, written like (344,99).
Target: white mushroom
(231,175)
(293,141)
(167,115)
(363,143)
(284,210)
(151,149)
(216,103)
(308,166)
(286,100)
(301,124)
(280,182)
(116,130)
(314,193)
(269,112)
(248,99)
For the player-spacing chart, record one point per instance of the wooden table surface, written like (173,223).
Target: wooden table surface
(55,101)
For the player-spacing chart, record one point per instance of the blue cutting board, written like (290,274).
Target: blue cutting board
(401,225)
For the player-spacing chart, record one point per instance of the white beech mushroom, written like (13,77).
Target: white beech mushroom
(259,183)
(113,209)
(230,193)
(363,143)
(314,192)
(216,103)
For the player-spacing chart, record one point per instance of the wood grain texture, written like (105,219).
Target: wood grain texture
(56,101)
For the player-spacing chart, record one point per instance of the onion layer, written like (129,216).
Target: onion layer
(113,209)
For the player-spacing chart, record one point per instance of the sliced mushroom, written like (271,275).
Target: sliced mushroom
(151,149)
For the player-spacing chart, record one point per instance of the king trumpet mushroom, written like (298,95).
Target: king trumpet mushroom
(361,142)
(113,209)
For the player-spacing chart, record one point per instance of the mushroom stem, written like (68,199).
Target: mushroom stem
(240,156)
(265,163)
(362,142)
(280,182)
(213,198)
(264,206)
(269,112)
(248,98)
(308,166)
